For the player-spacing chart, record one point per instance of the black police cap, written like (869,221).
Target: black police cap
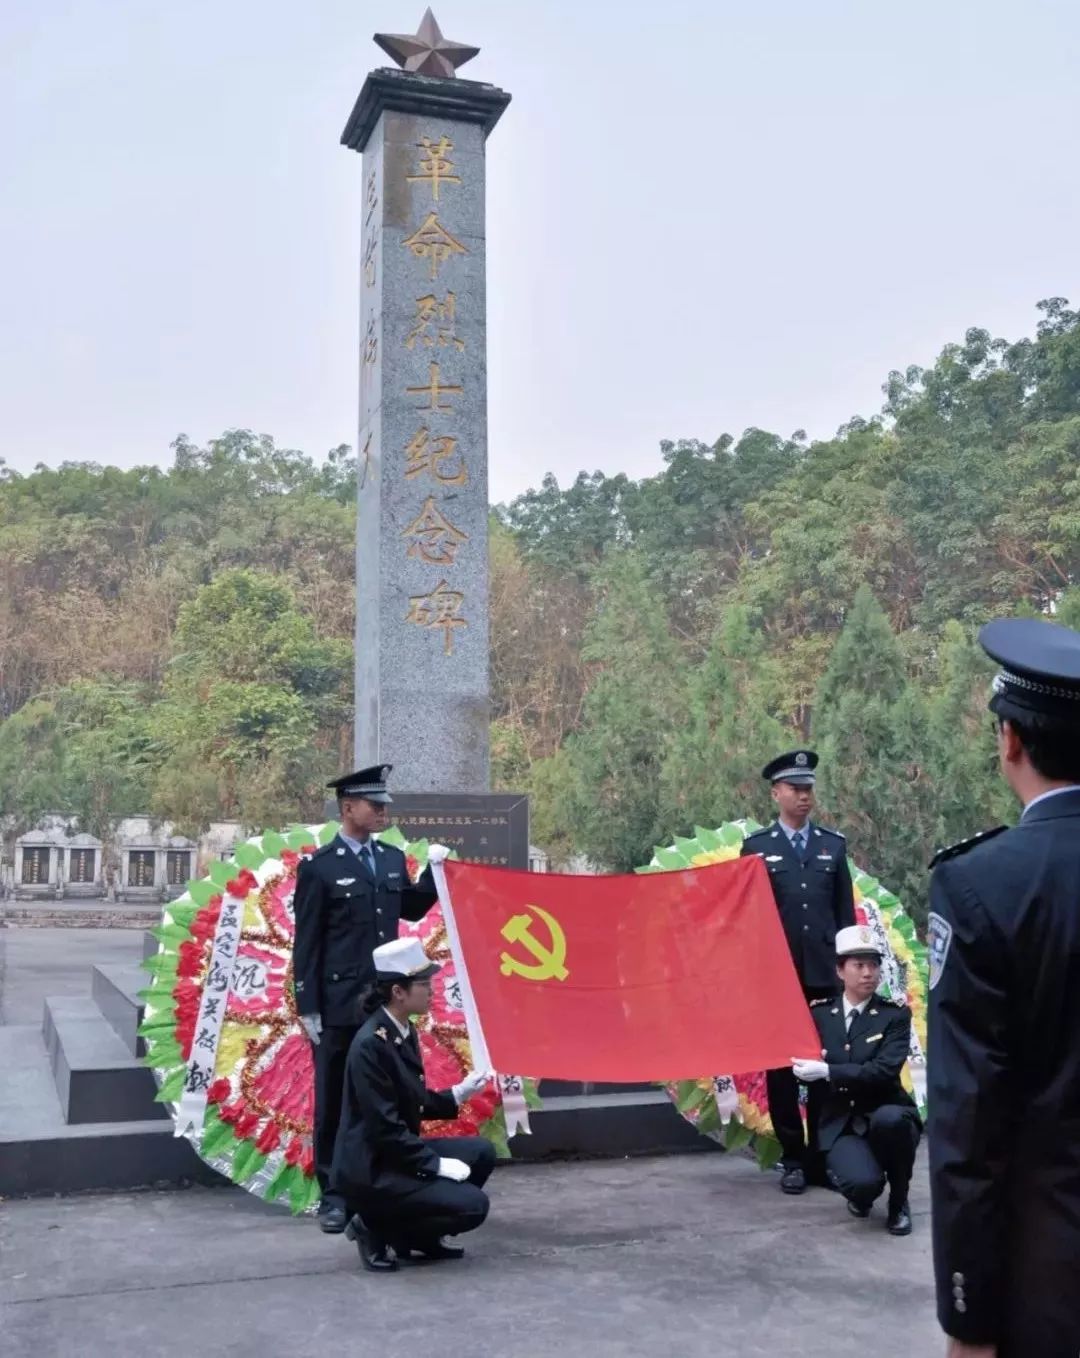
(367,783)
(1040,668)
(797,766)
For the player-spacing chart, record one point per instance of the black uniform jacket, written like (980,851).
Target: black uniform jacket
(379,1144)
(864,1064)
(342,915)
(1003,1083)
(814,898)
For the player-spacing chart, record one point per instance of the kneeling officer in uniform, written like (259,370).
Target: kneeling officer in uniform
(868,1126)
(404,1192)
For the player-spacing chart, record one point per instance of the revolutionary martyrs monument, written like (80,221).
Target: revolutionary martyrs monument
(422,651)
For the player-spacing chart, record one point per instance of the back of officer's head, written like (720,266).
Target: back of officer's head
(1051,745)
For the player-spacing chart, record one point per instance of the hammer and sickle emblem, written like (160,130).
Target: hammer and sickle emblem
(550,958)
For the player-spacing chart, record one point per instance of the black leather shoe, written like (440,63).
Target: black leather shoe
(438,1249)
(375,1255)
(793,1180)
(858,1210)
(331,1218)
(899,1222)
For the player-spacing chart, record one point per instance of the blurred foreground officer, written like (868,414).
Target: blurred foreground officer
(350,895)
(868,1126)
(404,1191)
(811,884)
(1003,1064)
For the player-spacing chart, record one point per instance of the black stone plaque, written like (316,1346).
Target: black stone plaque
(490,827)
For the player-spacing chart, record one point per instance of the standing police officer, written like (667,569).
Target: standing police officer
(350,895)
(811,883)
(1003,1066)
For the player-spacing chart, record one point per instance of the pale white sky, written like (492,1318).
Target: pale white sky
(701,216)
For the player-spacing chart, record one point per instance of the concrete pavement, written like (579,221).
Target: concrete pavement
(689,1255)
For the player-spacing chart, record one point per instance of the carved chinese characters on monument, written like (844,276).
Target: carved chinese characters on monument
(438,610)
(434,453)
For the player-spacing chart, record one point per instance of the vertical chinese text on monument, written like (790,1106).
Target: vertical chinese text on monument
(439,609)
(435,323)
(432,537)
(432,241)
(434,391)
(427,454)
(436,167)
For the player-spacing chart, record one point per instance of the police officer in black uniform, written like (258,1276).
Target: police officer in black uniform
(405,1192)
(350,895)
(866,1123)
(811,882)
(1003,1065)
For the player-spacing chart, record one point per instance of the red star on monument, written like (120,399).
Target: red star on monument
(426,52)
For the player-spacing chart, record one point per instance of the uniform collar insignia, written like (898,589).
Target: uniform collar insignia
(381,1032)
(341,852)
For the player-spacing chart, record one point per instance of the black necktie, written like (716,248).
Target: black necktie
(799,843)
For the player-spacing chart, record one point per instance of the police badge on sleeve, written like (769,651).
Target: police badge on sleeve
(938,938)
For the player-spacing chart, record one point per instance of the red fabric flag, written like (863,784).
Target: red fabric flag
(658,976)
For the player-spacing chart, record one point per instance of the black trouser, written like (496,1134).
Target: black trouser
(331,1058)
(783,1091)
(880,1151)
(436,1207)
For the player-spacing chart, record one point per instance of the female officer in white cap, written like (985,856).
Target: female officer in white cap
(404,1191)
(867,1125)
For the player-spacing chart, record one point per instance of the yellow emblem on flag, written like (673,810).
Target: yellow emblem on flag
(549,959)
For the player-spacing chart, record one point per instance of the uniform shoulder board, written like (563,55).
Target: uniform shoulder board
(323,848)
(955,850)
(756,834)
(826,830)
(823,1000)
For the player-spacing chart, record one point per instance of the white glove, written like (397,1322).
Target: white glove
(727,1099)
(437,853)
(457,1170)
(312,1025)
(809,1071)
(472,1084)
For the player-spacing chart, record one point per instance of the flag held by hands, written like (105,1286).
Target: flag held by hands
(653,977)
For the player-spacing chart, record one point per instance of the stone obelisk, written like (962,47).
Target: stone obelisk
(422,653)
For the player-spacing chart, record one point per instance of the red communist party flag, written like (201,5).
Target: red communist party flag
(662,976)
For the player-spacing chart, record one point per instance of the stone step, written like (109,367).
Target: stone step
(97,1078)
(103,1156)
(69,914)
(114,990)
(607,1124)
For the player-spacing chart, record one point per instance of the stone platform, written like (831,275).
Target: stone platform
(689,1255)
(77,1109)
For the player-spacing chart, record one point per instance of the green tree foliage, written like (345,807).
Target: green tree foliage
(179,640)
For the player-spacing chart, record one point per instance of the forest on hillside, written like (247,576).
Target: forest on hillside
(179,641)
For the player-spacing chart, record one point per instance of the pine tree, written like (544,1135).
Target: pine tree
(635,703)
(713,769)
(870,729)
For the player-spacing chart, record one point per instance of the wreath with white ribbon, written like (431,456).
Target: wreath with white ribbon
(734,1109)
(224,1041)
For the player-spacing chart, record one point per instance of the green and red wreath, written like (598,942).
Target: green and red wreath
(259,1093)
(904,976)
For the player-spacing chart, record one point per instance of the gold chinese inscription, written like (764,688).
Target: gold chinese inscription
(372,194)
(427,454)
(371,343)
(434,391)
(436,167)
(439,609)
(433,538)
(432,241)
(435,323)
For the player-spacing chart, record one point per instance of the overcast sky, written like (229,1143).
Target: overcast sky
(701,216)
